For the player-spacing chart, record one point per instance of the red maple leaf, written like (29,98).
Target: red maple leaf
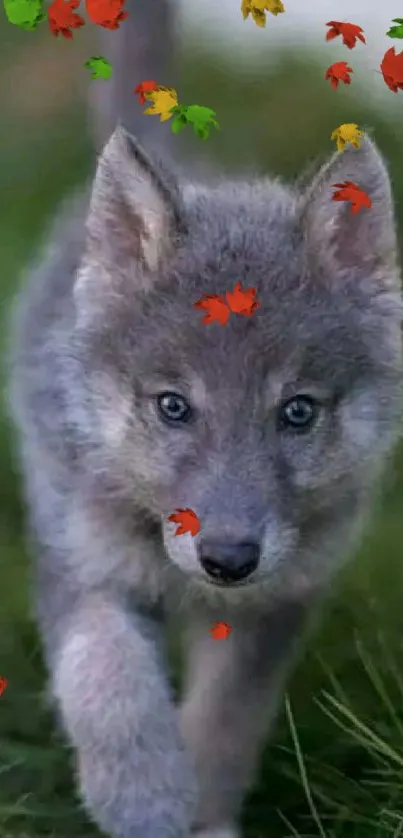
(143,88)
(242,301)
(62,18)
(349,31)
(349,191)
(3,684)
(339,72)
(187,521)
(216,308)
(106,13)
(220,630)
(392,69)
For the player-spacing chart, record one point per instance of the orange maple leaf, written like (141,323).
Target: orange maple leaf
(220,630)
(106,13)
(392,69)
(216,307)
(143,88)
(349,31)
(242,301)
(62,19)
(339,72)
(349,191)
(3,684)
(187,521)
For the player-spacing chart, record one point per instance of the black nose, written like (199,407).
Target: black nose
(229,562)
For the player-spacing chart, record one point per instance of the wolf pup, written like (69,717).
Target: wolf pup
(273,428)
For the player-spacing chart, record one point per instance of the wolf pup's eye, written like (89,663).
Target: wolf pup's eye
(298,413)
(173,407)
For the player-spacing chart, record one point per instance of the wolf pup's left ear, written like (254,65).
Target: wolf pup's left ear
(135,207)
(339,239)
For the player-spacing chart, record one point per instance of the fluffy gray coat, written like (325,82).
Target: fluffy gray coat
(275,430)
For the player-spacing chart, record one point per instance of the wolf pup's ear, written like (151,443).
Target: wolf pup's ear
(338,239)
(134,211)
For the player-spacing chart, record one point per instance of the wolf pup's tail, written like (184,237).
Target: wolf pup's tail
(143,48)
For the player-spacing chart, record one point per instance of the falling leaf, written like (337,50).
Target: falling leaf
(179,118)
(3,684)
(62,18)
(187,521)
(101,68)
(220,630)
(392,69)
(143,88)
(164,99)
(242,301)
(106,13)
(349,32)
(200,117)
(27,14)
(258,9)
(348,132)
(349,191)
(396,31)
(338,72)
(216,308)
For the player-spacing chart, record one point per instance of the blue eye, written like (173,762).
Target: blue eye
(173,407)
(298,413)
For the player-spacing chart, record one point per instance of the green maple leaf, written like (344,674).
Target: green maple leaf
(100,66)
(27,14)
(396,31)
(202,119)
(180,120)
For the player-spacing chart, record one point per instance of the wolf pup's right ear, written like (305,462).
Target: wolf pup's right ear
(134,217)
(342,241)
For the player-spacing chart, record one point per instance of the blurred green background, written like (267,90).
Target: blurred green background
(335,764)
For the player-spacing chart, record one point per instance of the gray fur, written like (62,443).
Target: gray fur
(105,323)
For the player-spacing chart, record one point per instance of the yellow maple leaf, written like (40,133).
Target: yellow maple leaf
(258,9)
(163,99)
(348,132)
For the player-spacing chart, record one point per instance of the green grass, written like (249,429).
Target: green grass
(335,765)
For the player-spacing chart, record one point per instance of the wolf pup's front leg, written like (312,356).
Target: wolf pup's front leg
(234,689)
(116,707)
